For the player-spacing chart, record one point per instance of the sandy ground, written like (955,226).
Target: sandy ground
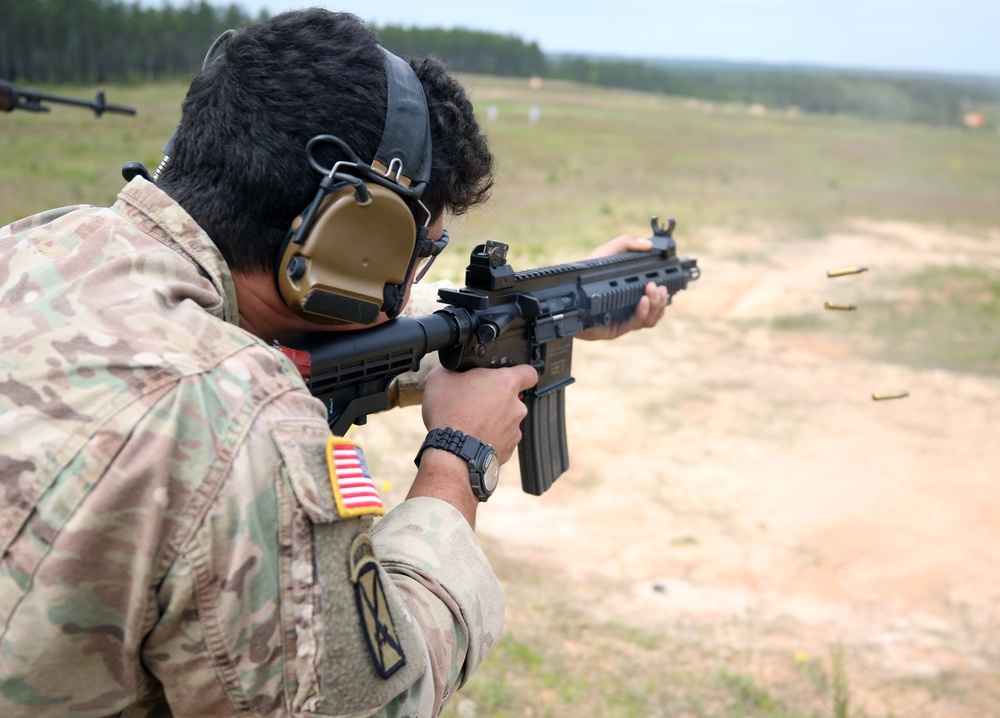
(742,480)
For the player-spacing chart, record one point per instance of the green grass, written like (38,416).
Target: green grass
(940,317)
(556,659)
(599,669)
(68,156)
(943,317)
(597,162)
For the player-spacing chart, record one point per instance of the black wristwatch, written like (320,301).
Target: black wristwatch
(484,466)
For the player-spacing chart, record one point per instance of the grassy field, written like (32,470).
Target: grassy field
(598,162)
(593,164)
(595,161)
(598,159)
(67,156)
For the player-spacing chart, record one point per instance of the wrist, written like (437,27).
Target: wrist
(445,465)
(445,476)
(481,460)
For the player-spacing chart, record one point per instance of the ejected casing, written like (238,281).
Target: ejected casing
(843,271)
(890,395)
(840,307)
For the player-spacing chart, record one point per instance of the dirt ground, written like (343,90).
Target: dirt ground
(742,480)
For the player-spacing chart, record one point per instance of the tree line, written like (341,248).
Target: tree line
(907,97)
(98,41)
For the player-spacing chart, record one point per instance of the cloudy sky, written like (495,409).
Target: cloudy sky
(937,35)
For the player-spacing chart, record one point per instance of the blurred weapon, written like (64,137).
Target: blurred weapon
(14,98)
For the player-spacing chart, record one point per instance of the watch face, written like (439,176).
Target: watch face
(491,472)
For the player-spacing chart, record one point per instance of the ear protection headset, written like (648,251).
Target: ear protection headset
(348,255)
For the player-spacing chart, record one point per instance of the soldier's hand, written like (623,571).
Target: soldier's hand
(483,403)
(651,307)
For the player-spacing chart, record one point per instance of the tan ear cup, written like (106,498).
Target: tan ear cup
(339,273)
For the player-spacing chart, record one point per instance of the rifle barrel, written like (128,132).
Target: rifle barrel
(15,98)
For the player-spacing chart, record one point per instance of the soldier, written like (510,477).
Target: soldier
(181,534)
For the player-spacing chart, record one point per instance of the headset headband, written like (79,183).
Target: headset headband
(404,153)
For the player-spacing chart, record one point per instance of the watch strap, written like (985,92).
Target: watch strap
(451,440)
(478,455)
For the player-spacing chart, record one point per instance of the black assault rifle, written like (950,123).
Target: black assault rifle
(14,98)
(501,318)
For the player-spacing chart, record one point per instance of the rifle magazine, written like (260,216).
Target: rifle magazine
(543,454)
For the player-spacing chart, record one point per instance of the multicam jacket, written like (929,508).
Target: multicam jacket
(173,540)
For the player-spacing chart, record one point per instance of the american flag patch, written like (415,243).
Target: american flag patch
(353,487)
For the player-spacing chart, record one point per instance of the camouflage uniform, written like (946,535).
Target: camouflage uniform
(172,542)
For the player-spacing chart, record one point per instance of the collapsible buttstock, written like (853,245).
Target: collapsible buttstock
(542,453)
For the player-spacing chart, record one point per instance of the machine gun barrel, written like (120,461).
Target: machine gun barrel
(15,98)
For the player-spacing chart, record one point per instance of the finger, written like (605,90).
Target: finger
(621,243)
(663,299)
(638,244)
(525,377)
(649,310)
(643,310)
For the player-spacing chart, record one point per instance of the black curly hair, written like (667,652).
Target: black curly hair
(238,164)
(463,165)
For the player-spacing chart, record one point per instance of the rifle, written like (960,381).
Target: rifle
(14,98)
(501,318)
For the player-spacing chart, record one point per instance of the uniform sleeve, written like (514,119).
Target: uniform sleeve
(432,555)
(287,602)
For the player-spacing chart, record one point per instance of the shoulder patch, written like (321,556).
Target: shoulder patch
(376,620)
(353,487)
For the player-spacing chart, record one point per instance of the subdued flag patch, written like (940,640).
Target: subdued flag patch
(353,487)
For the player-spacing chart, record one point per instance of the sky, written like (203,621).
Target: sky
(950,36)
